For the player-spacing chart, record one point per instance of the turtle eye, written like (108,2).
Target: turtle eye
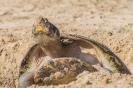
(44,22)
(50,34)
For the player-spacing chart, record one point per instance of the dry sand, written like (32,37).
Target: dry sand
(107,21)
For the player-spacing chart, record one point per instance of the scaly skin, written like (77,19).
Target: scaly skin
(51,46)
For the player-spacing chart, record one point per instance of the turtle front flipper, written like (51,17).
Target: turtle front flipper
(29,65)
(93,52)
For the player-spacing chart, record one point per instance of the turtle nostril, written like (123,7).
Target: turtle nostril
(40,32)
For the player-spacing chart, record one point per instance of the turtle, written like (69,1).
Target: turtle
(53,53)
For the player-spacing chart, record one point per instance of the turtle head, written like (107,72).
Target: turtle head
(44,31)
(43,27)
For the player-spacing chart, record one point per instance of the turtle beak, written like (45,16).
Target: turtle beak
(40,28)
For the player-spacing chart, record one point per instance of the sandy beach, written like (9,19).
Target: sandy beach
(109,22)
